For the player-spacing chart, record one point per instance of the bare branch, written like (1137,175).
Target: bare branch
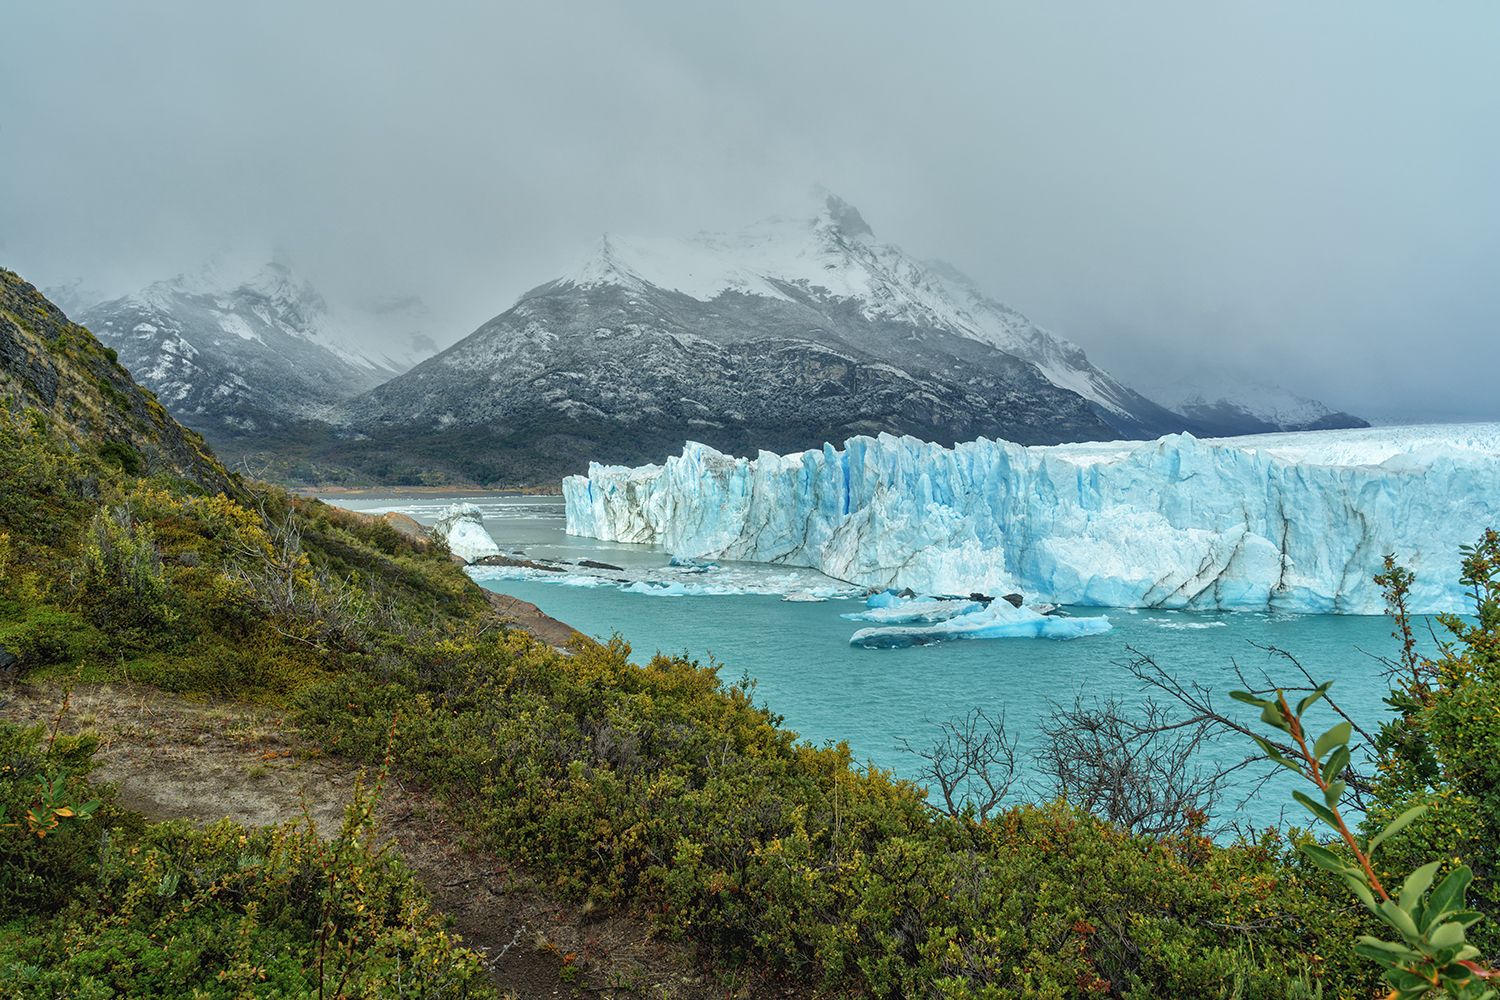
(972,764)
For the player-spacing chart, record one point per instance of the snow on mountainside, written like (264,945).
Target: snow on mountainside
(791,333)
(238,352)
(835,258)
(1228,403)
(1283,522)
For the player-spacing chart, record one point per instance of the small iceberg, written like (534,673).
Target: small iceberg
(461,525)
(691,565)
(890,608)
(972,620)
(803,597)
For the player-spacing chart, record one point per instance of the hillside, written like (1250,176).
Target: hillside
(76,387)
(650,793)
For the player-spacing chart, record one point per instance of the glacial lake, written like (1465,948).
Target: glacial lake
(826,690)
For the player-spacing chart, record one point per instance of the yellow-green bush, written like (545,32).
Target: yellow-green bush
(110,908)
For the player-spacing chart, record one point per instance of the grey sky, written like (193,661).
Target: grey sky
(1308,191)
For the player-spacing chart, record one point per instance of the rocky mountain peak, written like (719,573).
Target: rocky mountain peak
(845,217)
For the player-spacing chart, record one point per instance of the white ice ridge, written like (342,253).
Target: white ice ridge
(461,525)
(1282,522)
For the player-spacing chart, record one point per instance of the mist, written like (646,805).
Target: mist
(1305,193)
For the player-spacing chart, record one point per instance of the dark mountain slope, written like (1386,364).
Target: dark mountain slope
(57,369)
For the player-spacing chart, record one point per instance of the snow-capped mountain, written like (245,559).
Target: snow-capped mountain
(1226,403)
(238,353)
(791,333)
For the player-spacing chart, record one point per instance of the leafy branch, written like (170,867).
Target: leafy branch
(1432,952)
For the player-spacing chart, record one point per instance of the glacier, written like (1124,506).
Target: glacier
(1291,522)
(461,525)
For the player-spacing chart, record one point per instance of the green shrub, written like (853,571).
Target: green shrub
(126,458)
(42,873)
(101,908)
(42,636)
(659,789)
(120,584)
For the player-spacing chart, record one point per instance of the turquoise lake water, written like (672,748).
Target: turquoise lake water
(806,671)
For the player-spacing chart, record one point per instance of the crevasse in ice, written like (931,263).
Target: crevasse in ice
(1283,522)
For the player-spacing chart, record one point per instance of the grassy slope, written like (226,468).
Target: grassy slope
(655,788)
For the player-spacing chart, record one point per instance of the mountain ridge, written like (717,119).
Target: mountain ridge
(790,333)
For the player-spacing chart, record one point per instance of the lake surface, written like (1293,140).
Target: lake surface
(806,671)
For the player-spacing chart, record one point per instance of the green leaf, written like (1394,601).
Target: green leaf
(1250,699)
(1392,913)
(1416,885)
(1312,699)
(1333,793)
(1318,809)
(1337,736)
(1466,917)
(1381,951)
(1358,886)
(1272,715)
(1337,762)
(1327,860)
(1396,826)
(1276,755)
(1449,895)
(1446,936)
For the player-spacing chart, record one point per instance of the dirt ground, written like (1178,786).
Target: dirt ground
(173,757)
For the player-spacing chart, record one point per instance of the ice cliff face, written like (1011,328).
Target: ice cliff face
(1292,522)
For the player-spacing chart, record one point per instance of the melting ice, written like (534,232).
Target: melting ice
(1283,522)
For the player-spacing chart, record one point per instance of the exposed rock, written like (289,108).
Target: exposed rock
(1014,599)
(528,617)
(591,564)
(408,527)
(781,338)
(504,560)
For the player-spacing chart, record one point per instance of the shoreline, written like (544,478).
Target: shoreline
(437,491)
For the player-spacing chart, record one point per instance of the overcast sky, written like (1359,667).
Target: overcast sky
(1309,192)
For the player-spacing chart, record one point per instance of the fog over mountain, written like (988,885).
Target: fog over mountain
(1301,193)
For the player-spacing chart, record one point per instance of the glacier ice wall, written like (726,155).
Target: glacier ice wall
(1284,522)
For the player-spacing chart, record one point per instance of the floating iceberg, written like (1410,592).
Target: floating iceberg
(1282,522)
(998,620)
(885,608)
(461,525)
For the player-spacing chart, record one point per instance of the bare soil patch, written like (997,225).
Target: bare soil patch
(173,757)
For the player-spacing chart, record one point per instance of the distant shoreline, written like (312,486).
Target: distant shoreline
(451,490)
